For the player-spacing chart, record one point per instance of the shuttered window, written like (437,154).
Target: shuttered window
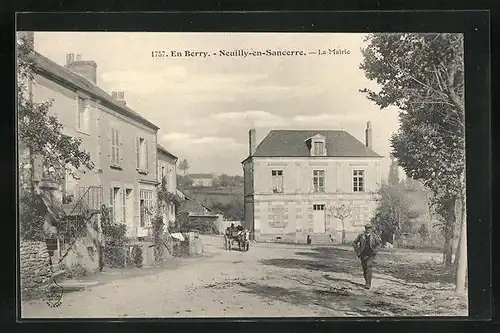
(142,154)
(145,204)
(116,144)
(112,204)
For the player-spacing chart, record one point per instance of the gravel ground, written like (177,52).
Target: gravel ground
(270,280)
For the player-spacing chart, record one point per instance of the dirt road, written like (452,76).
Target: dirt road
(267,281)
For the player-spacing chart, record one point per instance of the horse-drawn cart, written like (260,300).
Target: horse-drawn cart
(240,237)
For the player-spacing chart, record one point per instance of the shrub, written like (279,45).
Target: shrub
(434,240)
(32,211)
(76,270)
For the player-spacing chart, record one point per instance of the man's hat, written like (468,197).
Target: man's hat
(368,226)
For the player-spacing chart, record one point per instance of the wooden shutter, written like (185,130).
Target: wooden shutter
(120,148)
(113,151)
(111,203)
(146,153)
(138,152)
(117,147)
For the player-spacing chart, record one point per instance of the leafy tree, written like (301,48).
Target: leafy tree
(184,166)
(422,75)
(40,131)
(225,180)
(393,172)
(233,210)
(341,212)
(184,181)
(423,232)
(394,212)
(42,135)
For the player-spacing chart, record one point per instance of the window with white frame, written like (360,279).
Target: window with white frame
(145,206)
(358,180)
(124,205)
(319,180)
(115,204)
(83,115)
(142,154)
(116,154)
(319,148)
(277,179)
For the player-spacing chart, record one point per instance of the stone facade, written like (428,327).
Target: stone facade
(35,267)
(167,170)
(121,144)
(283,200)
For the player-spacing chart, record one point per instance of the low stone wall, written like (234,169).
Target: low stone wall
(35,267)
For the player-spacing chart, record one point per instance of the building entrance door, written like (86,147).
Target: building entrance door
(319,219)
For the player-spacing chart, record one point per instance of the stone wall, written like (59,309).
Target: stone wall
(35,267)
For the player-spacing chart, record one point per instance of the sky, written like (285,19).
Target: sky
(206,106)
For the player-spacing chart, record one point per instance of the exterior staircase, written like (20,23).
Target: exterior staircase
(320,239)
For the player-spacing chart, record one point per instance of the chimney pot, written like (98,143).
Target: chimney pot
(368,134)
(70,57)
(251,142)
(119,96)
(86,68)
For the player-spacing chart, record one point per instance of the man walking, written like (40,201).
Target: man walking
(366,246)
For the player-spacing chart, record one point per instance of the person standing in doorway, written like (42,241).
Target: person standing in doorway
(366,246)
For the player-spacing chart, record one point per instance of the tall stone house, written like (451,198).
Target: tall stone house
(122,144)
(296,179)
(167,172)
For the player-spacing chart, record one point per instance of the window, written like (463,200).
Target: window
(83,115)
(318,207)
(145,205)
(116,155)
(114,204)
(319,148)
(358,181)
(319,180)
(125,193)
(277,176)
(142,154)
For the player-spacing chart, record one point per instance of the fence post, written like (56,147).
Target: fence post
(125,257)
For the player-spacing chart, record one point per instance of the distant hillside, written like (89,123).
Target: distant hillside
(221,181)
(227,201)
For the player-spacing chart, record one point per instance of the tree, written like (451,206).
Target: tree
(342,212)
(184,182)
(423,75)
(184,166)
(394,212)
(42,135)
(225,180)
(393,172)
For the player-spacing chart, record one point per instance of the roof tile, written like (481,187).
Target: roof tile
(292,143)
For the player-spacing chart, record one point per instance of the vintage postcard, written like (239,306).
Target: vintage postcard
(189,175)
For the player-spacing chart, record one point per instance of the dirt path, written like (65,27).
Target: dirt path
(267,281)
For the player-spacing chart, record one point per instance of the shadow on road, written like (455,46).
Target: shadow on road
(335,301)
(344,280)
(328,259)
(296,296)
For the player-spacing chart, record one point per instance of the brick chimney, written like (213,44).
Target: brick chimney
(119,96)
(251,142)
(86,68)
(368,135)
